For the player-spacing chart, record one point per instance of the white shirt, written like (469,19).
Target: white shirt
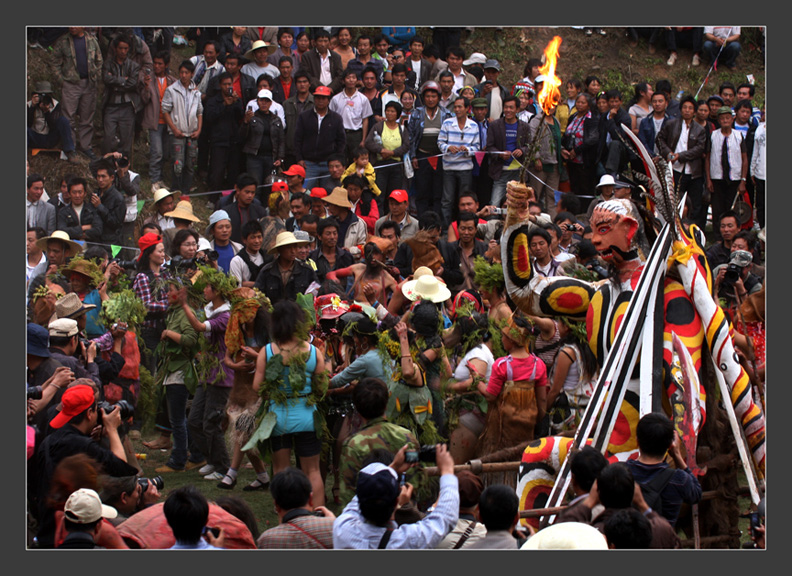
(480,352)
(211,311)
(722,31)
(681,146)
(324,63)
(735,156)
(239,269)
(758,158)
(254,70)
(416,66)
(353,109)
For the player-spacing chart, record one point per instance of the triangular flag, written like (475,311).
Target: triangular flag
(140,205)
(115,250)
(557,194)
(226,192)
(432,162)
(479,157)
(515,164)
(81,243)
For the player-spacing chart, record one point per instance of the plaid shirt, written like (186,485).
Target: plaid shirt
(155,299)
(305,531)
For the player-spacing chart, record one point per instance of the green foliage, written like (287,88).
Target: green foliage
(123,306)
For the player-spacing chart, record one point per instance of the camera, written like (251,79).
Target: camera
(104,407)
(570,227)
(755,523)
(34,393)
(125,264)
(209,255)
(158,482)
(423,454)
(180,263)
(117,326)
(738,260)
(498,211)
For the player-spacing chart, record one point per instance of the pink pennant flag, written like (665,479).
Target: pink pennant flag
(479,157)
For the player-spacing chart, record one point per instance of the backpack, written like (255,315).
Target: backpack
(653,489)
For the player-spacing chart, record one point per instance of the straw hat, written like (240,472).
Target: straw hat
(70,306)
(426,287)
(184,211)
(285,239)
(260,44)
(73,248)
(162,193)
(338,197)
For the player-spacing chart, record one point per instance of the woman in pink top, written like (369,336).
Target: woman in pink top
(516,391)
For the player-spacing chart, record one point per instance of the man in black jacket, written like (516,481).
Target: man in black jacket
(242,206)
(223,113)
(73,425)
(286,276)
(315,141)
(109,204)
(613,151)
(686,157)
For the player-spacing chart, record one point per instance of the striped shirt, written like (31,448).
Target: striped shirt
(451,135)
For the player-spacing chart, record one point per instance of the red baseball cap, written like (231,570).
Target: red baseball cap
(295,170)
(323,91)
(318,192)
(279,186)
(400,195)
(148,240)
(74,400)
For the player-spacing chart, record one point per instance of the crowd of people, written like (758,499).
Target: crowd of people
(344,314)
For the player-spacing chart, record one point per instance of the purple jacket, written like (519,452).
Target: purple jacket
(218,324)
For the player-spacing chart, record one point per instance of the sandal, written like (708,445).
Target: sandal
(256,485)
(161,443)
(227,485)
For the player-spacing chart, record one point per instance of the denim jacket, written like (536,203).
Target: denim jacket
(415,126)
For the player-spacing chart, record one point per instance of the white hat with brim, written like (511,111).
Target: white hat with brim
(285,239)
(260,44)
(606,180)
(84,506)
(567,536)
(183,211)
(162,193)
(339,197)
(73,247)
(426,287)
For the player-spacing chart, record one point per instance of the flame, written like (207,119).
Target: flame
(550,95)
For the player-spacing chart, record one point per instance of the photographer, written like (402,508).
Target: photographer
(367,521)
(301,525)
(47,127)
(129,494)
(65,341)
(734,280)
(78,420)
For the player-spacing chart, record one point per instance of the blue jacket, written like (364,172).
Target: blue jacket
(415,126)
(647,134)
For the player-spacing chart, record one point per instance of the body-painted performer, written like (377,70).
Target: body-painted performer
(688,310)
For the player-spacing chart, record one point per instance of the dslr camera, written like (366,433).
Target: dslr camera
(158,482)
(105,407)
(738,260)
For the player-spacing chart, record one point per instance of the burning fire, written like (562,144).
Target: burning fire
(550,96)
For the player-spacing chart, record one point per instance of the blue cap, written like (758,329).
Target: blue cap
(37,340)
(377,482)
(218,215)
